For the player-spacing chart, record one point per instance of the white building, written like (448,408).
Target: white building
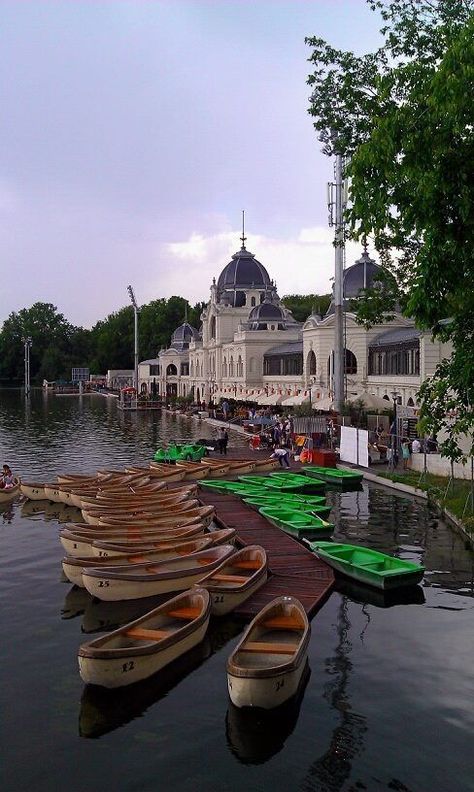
(250,347)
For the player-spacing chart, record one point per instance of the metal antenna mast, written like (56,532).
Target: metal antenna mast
(135,310)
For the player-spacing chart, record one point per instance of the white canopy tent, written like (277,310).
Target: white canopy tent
(296,400)
(271,399)
(370,401)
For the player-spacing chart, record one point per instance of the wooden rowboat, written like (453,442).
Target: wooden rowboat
(93,514)
(33,490)
(161,577)
(155,520)
(194,470)
(263,465)
(143,647)
(369,566)
(77,543)
(73,566)
(165,472)
(266,667)
(236,579)
(9,493)
(216,469)
(104,549)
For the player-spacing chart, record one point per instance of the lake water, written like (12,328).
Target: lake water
(388,701)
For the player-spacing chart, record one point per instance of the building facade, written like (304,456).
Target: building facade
(250,347)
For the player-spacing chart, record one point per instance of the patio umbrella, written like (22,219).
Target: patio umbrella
(370,401)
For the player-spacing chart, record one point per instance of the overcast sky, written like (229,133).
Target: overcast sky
(134,133)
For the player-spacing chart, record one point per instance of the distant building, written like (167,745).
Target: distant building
(119,378)
(79,375)
(250,348)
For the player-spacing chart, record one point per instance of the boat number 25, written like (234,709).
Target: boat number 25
(128,666)
(280,683)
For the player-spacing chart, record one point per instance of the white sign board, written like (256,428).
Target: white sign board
(354,447)
(363,447)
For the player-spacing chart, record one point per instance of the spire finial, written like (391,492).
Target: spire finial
(243,237)
(364,242)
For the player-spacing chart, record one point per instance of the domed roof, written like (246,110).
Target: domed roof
(243,272)
(266,311)
(361,275)
(182,336)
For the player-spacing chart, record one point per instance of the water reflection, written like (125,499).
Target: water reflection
(75,603)
(104,710)
(255,735)
(7,511)
(357,592)
(330,771)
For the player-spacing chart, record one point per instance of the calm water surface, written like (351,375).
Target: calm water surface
(388,701)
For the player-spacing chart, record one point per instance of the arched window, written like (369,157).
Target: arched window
(212,327)
(143,387)
(231,366)
(240,368)
(224,367)
(410,402)
(350,363)
(311,364)
(252,302)
(171,370)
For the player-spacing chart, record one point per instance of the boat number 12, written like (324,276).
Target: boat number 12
(129,666)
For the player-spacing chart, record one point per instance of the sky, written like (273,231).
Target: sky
(133,134)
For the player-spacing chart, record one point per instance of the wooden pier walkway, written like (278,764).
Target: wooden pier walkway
(295,570)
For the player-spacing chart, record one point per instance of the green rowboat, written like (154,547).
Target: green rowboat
(289,482)
(177,452)
(368,566)
(333,475)
(284,499)
(296,522)
(319,509)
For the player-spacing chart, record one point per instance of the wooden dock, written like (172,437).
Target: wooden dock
(295,570)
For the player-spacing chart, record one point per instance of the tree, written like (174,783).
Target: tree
(404,120)
(302,305)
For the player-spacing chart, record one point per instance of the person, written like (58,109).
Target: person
(221,440)
(7,479)
(283,455)
(415,446)
(405,452)
(225,409)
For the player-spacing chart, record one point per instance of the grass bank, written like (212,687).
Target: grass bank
(451,498)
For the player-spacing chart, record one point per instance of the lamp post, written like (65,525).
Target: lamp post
(394,458)
(27,343)
(135,310)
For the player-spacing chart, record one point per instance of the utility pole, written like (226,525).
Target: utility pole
(27,343)
(336,203)
(135,310)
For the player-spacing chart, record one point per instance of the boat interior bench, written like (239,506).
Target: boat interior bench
(375,565)
(146,635)
(283,622)
(229,578)
(269,647)
(184,613)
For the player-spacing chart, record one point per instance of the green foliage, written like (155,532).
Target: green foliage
(302,305)
(403,117)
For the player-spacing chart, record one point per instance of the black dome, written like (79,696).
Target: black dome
(182,336)
(266,311)
(243,272)
(361,275)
